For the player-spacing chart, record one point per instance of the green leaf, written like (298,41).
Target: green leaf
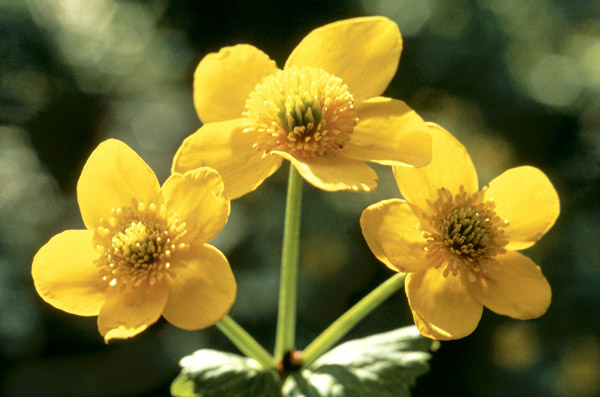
(212,373)
(385,365)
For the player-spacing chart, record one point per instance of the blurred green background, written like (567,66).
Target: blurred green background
(518,82)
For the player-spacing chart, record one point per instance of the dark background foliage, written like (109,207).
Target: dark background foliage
(517,82)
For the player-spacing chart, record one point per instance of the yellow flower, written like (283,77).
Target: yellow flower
(143,253)
(458,244)
(322,112)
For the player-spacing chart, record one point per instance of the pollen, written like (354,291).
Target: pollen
(464,233)
(304,111)
(137,243)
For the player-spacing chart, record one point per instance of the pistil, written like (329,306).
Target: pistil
(304,111)
(136,244)
(464,233)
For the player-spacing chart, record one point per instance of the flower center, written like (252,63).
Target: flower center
(464,233)
(304,111)
(137,243)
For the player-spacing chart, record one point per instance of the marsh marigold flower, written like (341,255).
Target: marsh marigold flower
(458,243)
(144,253)
(322,111)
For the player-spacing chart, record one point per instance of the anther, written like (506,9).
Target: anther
(468,233)
(294,110)
(136,244)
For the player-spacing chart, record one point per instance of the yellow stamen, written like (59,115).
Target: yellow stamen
(135,243)
(464,233)
(304,111)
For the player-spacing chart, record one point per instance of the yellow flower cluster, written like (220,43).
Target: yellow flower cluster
(144,253)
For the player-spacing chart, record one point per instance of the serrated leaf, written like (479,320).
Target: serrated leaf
(212,373)
(384,365)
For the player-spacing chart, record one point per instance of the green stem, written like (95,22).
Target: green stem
(286,317)
(245,342)
(349,319)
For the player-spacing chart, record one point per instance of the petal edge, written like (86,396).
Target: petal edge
(334,174)
(364,52)
(390,229)
(527,199)
(196,198)
(443,307)
(220,89)
(65,275)
(450,167)
(112,176)
(389,133)
(226,148)
(203,290)
(517,289)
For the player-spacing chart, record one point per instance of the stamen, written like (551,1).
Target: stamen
(465,234)
(304,111)
(134,245)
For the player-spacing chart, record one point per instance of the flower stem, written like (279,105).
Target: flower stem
(286,317)
(245,342)
(349,319)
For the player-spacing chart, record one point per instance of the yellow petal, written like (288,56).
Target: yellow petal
(224,80)
(389,133)
(203,289)
(65,275)
(130,309)
(450,168)
(517,289)
(526,198)
(443,307)
(363,52)
(112,176)
(391,230)
(124,332)
(196,199)
(334,173)
(224,147)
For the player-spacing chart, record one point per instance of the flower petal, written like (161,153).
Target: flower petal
(334,173)
(224,147)
(130,309)
(526,198)
(450,168)
(65,275)
(224,80)
(391,230)
(518,289)
(390,133)
(363,52)
(443,307)
(113,175)
(196,198)
(203,290)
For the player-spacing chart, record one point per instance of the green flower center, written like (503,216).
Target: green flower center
(136,243)
(300,113)
(464,233)
(139,244)
(467,232)
(304,111)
